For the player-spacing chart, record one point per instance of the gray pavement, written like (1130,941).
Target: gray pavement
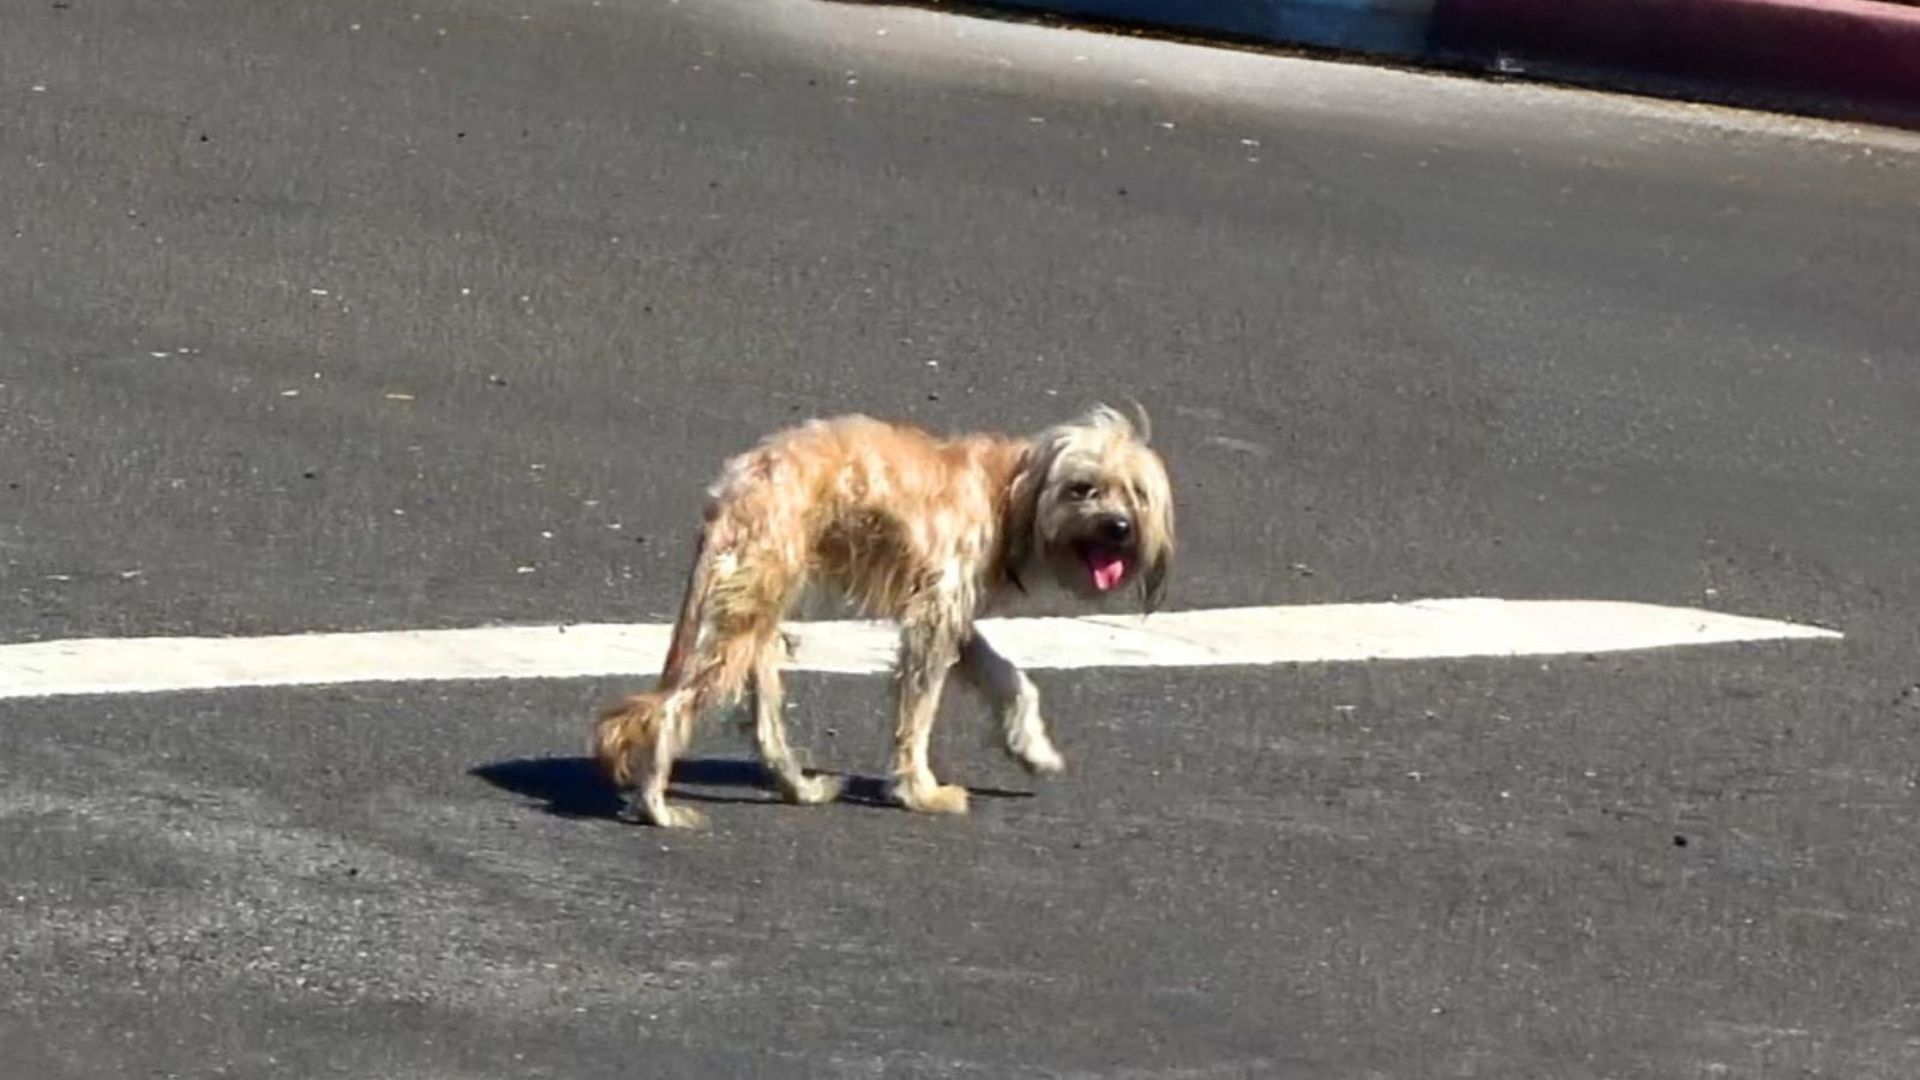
(350,316)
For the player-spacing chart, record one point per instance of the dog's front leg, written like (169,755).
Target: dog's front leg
(929,646)
(1015,700)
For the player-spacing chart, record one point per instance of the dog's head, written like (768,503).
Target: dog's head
(1092,505)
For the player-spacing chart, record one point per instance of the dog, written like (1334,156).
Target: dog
(903,525)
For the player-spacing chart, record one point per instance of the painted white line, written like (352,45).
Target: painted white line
(1328,633)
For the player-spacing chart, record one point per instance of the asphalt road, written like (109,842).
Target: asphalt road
(354,315)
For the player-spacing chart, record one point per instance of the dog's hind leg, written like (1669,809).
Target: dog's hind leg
(716,675)
(1015,700)
(678,715)
(770,736)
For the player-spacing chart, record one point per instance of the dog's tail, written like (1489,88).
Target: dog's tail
(635,723)
(629,726)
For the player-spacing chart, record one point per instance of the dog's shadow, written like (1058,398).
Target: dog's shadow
(576,787)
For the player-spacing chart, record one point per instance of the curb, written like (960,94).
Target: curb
(1841,59)
(1390,27)
(1846,59)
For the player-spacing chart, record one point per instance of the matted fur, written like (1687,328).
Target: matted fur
(926,531)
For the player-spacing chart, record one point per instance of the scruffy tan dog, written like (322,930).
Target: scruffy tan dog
(905,526)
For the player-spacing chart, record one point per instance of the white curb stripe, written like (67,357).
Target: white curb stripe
(1328,633)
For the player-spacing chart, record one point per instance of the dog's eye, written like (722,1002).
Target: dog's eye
(1079,491)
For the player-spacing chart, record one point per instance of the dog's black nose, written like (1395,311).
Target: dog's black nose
(1116,529)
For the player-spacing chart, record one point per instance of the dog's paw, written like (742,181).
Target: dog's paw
(811,790)
(1029,745)
(1041,758)
(677,817)
(940,799)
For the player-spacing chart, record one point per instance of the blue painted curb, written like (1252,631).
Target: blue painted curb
(1390,27)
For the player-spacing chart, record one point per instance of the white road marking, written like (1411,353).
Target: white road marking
(1328,633)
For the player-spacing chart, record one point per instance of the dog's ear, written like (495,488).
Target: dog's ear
(1153,583)
(1022,506)
(1155,514)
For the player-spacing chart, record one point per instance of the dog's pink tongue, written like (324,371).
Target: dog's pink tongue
(1107,570)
